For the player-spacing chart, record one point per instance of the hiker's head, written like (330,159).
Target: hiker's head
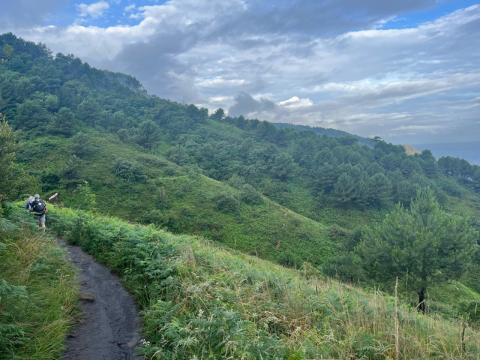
(36,196)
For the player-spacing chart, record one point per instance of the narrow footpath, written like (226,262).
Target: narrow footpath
(108,328)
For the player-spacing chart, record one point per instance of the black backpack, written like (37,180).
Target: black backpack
(39,206)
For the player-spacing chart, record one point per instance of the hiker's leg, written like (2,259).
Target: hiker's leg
(41,222)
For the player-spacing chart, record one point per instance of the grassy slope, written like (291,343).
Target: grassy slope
(448,297)
(199,299)
(36,312)
(297,197)
(184,201)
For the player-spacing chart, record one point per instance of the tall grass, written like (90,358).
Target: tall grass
(37,294)
(200,301)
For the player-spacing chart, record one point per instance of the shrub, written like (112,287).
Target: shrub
(226,203)
(129,172)
(83,146)
(85,198)
(250,196)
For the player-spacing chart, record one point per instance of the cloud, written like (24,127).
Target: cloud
(27,13)
(93,10)
(295,103)
(246,104)
(324,63)
(312,18)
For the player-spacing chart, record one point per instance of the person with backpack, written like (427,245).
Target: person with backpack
(39,208)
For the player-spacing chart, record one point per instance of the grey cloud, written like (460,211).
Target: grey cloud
(315,18)
(156,64)
(245,104)
(21,13)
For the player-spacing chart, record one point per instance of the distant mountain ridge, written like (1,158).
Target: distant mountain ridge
(329,132)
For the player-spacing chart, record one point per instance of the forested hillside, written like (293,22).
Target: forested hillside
(287,194)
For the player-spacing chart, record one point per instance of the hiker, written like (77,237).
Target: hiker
(39,208)
(28,204)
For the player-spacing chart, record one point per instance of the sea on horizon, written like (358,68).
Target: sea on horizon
(469,151)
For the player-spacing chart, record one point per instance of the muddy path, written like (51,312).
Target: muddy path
(108,328)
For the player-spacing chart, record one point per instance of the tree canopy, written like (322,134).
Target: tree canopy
(422,245)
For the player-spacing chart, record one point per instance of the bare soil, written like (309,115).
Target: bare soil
(109,327)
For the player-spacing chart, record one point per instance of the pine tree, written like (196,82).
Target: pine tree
(422,242)
(63,123)
(378,190)
(148,134)
(345,189)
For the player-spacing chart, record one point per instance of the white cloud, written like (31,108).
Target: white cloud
(295,103)
(94,10)
(220,99)
(220,82)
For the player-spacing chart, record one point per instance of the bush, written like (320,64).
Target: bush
(83,146)
(470,311)
(250,196)
(85,198)
(226,203)
(129,172)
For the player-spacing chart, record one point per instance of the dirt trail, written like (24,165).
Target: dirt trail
(109,326)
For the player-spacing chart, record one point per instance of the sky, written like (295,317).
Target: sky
(405,70)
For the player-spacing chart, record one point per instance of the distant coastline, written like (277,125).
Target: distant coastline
(469,151)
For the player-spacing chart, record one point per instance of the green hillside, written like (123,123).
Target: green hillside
(203,301)
(177,198)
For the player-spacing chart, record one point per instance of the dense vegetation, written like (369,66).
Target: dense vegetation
(37,293)
(419,246)
(201,301)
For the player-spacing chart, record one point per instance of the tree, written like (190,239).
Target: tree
(378,190)
(32,114)
(282,167)
(409,166)
(89,111)
(218,115)
(422,244)
(148,134)
(345,189)
(129,172)
(13,179)
(85,198)
(64,122)
(83,146)
(7,159)
(326,178)
(7,51)
(428,163)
